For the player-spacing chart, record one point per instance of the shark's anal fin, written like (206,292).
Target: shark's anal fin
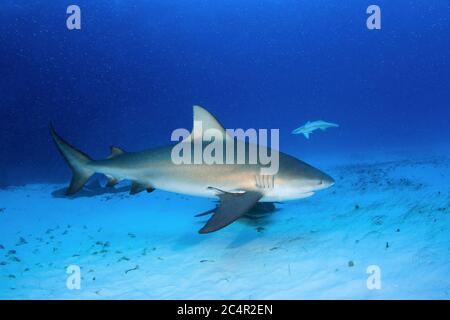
(137,187)
(111,182)
(232,206)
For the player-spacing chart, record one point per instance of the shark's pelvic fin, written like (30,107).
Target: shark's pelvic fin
(232,206)
(77,161)
(115,151)
(137,187)
(203,120)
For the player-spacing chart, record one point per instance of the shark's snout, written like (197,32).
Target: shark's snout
(321,180)
(326,181)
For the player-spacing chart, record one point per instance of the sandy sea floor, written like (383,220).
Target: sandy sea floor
(390,210)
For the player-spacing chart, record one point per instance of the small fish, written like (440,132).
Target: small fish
(22,241)
(124,259)
(15,259)
(309,127)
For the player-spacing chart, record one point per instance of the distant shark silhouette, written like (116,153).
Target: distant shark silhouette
(236,185)
(309,127)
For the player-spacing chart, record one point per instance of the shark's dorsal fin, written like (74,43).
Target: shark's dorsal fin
(202,121)
(115,151)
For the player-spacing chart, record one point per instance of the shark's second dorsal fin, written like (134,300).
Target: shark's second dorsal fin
(203,120)
(115,151)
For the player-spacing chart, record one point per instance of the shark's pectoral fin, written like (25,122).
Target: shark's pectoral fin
(206,212)
(137,187)
(306,134)
(219,191)
(232,206)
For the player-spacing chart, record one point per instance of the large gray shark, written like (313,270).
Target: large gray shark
(238,186)
(309,127)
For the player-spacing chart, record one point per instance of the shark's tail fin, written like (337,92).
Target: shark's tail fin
(77,161)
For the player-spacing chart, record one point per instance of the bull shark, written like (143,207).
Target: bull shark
(239,187)
(309,127)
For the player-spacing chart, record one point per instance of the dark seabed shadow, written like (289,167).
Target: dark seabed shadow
(92,189)
(255,220)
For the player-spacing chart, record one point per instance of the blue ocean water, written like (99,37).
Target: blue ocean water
(134,70)
(131,75)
